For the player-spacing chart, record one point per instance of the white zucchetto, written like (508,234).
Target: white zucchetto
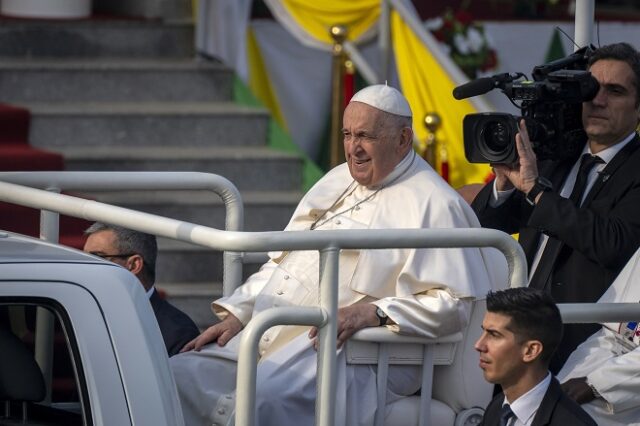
(384,98)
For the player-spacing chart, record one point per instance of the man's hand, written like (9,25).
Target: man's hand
(351,319)
(578,389)
(524,172)
(222,332)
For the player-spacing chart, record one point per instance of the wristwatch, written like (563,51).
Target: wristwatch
(542,184)
(594,391)
(382,316)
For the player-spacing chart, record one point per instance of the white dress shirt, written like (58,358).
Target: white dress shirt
(606,155)
(526,407)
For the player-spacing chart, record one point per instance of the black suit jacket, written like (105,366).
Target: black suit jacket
(556,409)
(598,238)
(176,327)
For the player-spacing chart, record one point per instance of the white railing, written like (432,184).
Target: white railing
(329,244)
(142,181)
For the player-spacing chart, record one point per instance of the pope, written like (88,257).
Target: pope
(424,292)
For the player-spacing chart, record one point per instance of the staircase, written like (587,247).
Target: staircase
(128,95)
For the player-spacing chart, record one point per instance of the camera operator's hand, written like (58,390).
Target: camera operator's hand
(523,173)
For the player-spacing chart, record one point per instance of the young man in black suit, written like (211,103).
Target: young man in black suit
(137,252)
(521,330)
(577,238)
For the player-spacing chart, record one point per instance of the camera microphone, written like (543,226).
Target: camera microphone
(476,87)
(480,86)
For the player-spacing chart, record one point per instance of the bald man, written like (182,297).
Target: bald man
(383,184)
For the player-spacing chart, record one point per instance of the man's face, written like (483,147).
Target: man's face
(501,356)
(103,244)
(612,114)
(371,151)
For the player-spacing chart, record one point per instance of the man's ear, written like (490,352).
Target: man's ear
(531,350)
(135,264)
(406,137)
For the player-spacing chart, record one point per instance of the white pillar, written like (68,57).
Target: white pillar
(585,13)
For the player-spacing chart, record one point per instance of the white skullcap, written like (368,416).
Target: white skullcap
(384,98)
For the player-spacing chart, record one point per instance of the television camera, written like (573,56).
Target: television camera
(551,105)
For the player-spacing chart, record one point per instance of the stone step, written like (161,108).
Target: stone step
(194,299)
(266,210)
(132,38)
(255,168)
(188,263)
(162,9)
(111,80)
(145,124)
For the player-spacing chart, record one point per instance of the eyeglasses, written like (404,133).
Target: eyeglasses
(109,256)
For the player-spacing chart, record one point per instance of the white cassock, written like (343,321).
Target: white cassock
(610,358)
(425,292)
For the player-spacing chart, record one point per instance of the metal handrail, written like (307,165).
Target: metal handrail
(328,243)
(169,181)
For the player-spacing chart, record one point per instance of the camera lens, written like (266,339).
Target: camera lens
(496,136)
(489,137)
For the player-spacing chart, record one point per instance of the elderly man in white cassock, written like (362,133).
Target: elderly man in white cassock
(603,373)
(424,292)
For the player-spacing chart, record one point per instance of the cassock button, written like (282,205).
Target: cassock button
(338,222)
(221,411)
(286,277)
(558,284)
(357,208)
(279,292)
(265,338)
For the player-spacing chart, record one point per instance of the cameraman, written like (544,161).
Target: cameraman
(577,239)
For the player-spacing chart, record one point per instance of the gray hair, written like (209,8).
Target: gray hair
(395,122)
(392,125)
(129,241)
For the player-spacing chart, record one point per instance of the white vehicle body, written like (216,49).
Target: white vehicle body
(119,360)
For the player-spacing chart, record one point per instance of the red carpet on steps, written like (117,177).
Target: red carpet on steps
(17,155)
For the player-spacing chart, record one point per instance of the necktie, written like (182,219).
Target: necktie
(505,415)
(542,274)
(586,164)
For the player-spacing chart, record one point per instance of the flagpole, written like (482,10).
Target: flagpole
(384,39)
(585,14)
(338,58)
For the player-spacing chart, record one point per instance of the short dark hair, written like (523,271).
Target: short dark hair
(534,316)
(621,52)
(130,241)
